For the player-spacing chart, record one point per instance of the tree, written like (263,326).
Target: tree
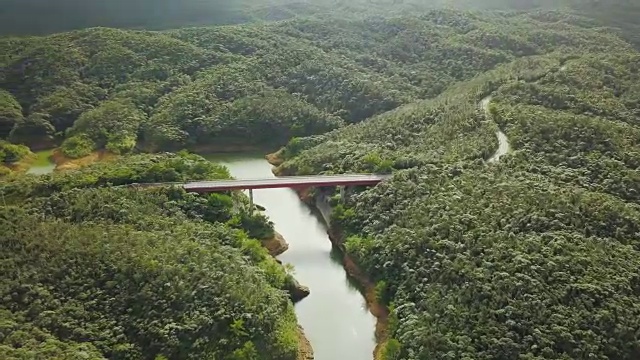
(112,125)
(10,113)
(35,131)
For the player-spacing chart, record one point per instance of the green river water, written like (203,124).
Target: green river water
(42,164)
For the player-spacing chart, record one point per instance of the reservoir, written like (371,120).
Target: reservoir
(335,317)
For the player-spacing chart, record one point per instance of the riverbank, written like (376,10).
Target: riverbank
(21,166)
(238,148)
(276,245)
(49,160)
(305,351)
(65,163)
(53,160)
(378,310)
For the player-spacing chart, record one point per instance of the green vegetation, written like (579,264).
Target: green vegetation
(215,87)
(24,340)
(125,273)
(113,126)
(78,146)
(534,257)
(50,16)
(10,113)
(11,155)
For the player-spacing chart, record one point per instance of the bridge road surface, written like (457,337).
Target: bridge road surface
(285,182)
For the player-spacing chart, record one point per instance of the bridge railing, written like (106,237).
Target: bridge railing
(285,181)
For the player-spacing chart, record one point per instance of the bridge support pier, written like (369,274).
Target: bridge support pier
(251,200)
(344,193)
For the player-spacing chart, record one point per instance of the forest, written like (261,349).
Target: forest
(212,87)
(38,17)
(532,257)
(93,270)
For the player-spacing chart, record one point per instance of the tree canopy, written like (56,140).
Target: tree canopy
(532,257)
(122,90)
(124,273)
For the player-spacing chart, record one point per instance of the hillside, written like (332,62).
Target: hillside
(42,17)
(124,90)
(39,17)
(120,273)
(534,257)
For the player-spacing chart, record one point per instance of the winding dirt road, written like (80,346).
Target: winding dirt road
(503,141)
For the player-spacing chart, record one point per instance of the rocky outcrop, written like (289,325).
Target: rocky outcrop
(275,158)
(296,291)
(321,202)
(276,245)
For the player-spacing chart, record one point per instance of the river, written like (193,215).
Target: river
(335,316)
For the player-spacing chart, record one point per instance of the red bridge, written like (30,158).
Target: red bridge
(292,182)
(285,182)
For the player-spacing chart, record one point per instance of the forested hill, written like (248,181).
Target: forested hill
(94,272)
(50,16)
(43,16)
(123,90)
(535,257)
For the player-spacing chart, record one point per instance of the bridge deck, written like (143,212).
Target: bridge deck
(285,182)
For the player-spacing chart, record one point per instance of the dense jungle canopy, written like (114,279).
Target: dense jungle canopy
(533,257)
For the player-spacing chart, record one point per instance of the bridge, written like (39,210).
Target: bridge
(292,182)
(285,182)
